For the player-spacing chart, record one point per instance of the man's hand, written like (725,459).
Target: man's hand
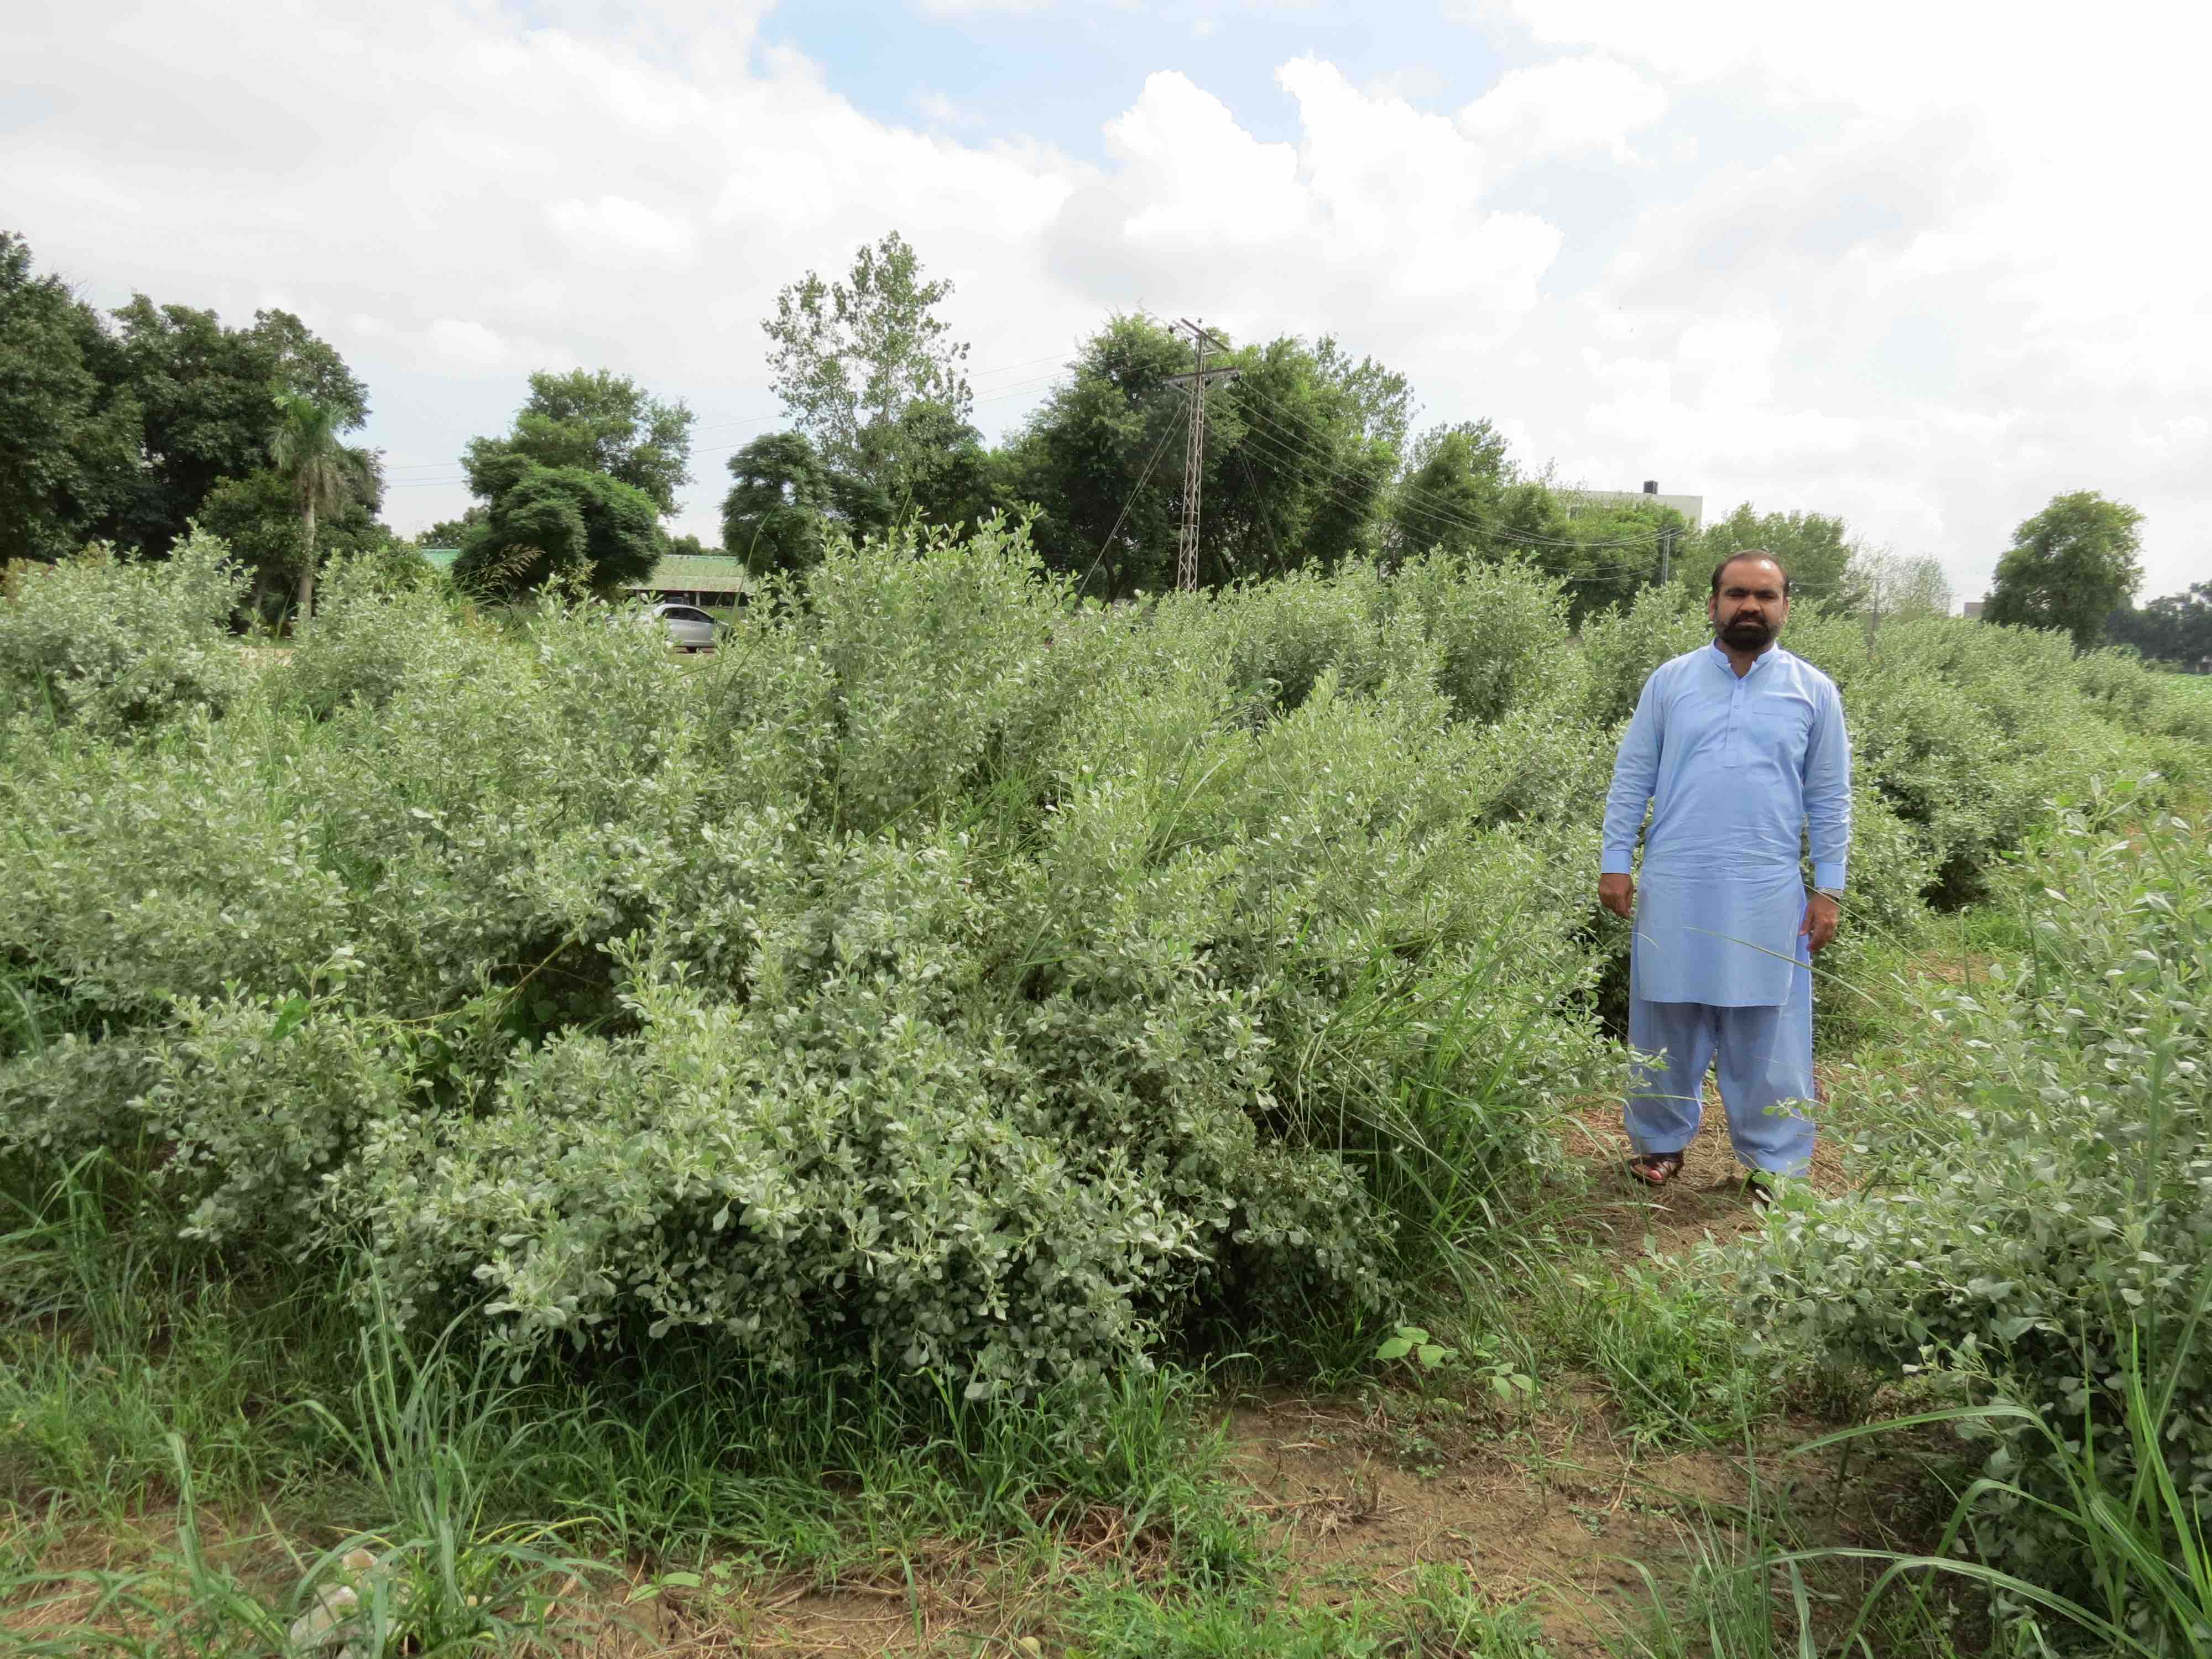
(1617,894)
(1820,926)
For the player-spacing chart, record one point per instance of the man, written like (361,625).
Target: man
(1740,749)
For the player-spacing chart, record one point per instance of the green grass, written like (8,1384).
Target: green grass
(1445,1616)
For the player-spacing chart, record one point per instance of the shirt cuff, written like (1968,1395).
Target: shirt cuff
(1828,875)
(1621,863)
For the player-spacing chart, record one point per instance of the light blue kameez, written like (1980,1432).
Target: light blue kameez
(1740,774)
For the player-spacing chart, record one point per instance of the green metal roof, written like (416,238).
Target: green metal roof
(680,572)
(696,573)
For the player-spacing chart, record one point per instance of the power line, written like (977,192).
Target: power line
(1158,449)
(1289,434)
(1259,511)
(1290,442)
(1272,448)
(1277,445)
(1281,441)
(1296,427)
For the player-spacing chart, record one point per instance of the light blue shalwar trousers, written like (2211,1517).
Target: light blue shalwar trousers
(1740,773)
(1765,1056)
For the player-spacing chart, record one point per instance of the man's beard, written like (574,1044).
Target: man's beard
(1748,634)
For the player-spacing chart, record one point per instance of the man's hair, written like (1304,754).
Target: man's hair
(1773,559)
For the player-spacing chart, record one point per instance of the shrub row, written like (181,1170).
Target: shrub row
(947,973)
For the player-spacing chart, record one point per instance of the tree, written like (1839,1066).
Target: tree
(210,401)
(1816,548)
(1301,449)
(929,466)
(775,517)
(2174,628)
(849,359)
(563,520)
(2069,566)
(1093,460)
(126,430)
(595,420)
(1381,399)
(1610,554)
(1452,488)
(300,363)
(1882,586)
(453,532)
(576,488)
(786,501)
(257,517)
(321,474)
(68,433)
(1461,494)
(1299,452)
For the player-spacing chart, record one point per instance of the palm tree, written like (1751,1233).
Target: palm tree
(324,475)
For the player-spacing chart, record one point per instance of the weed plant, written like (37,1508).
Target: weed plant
(1666,1348)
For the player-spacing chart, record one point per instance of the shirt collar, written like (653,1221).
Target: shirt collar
(1772,651)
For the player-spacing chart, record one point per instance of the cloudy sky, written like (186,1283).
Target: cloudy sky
(1921,264)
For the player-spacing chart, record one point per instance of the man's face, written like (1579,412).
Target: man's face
(1751,607)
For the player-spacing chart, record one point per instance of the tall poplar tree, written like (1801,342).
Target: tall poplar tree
(868,371)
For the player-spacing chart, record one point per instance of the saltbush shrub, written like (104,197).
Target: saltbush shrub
(1502,631)
(2063,1212)
(1623,648)
(117,645)
(369,635)
(943,973)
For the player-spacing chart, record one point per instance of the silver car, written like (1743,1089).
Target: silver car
(689,628)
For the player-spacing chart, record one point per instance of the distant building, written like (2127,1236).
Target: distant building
(701,579)
(1691,507)
(1974,609)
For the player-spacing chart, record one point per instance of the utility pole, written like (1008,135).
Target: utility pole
(1666,553)
(1193,456)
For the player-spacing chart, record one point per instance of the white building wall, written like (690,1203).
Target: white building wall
(1691,507)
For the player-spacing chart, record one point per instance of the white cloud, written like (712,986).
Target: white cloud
(980,8)
(1373,226)
(938,110)
(1568,106)
(615,230)
(467,345)
(1978,290)
(1191,177)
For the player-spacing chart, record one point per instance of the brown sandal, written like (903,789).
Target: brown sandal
(1655,1168)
